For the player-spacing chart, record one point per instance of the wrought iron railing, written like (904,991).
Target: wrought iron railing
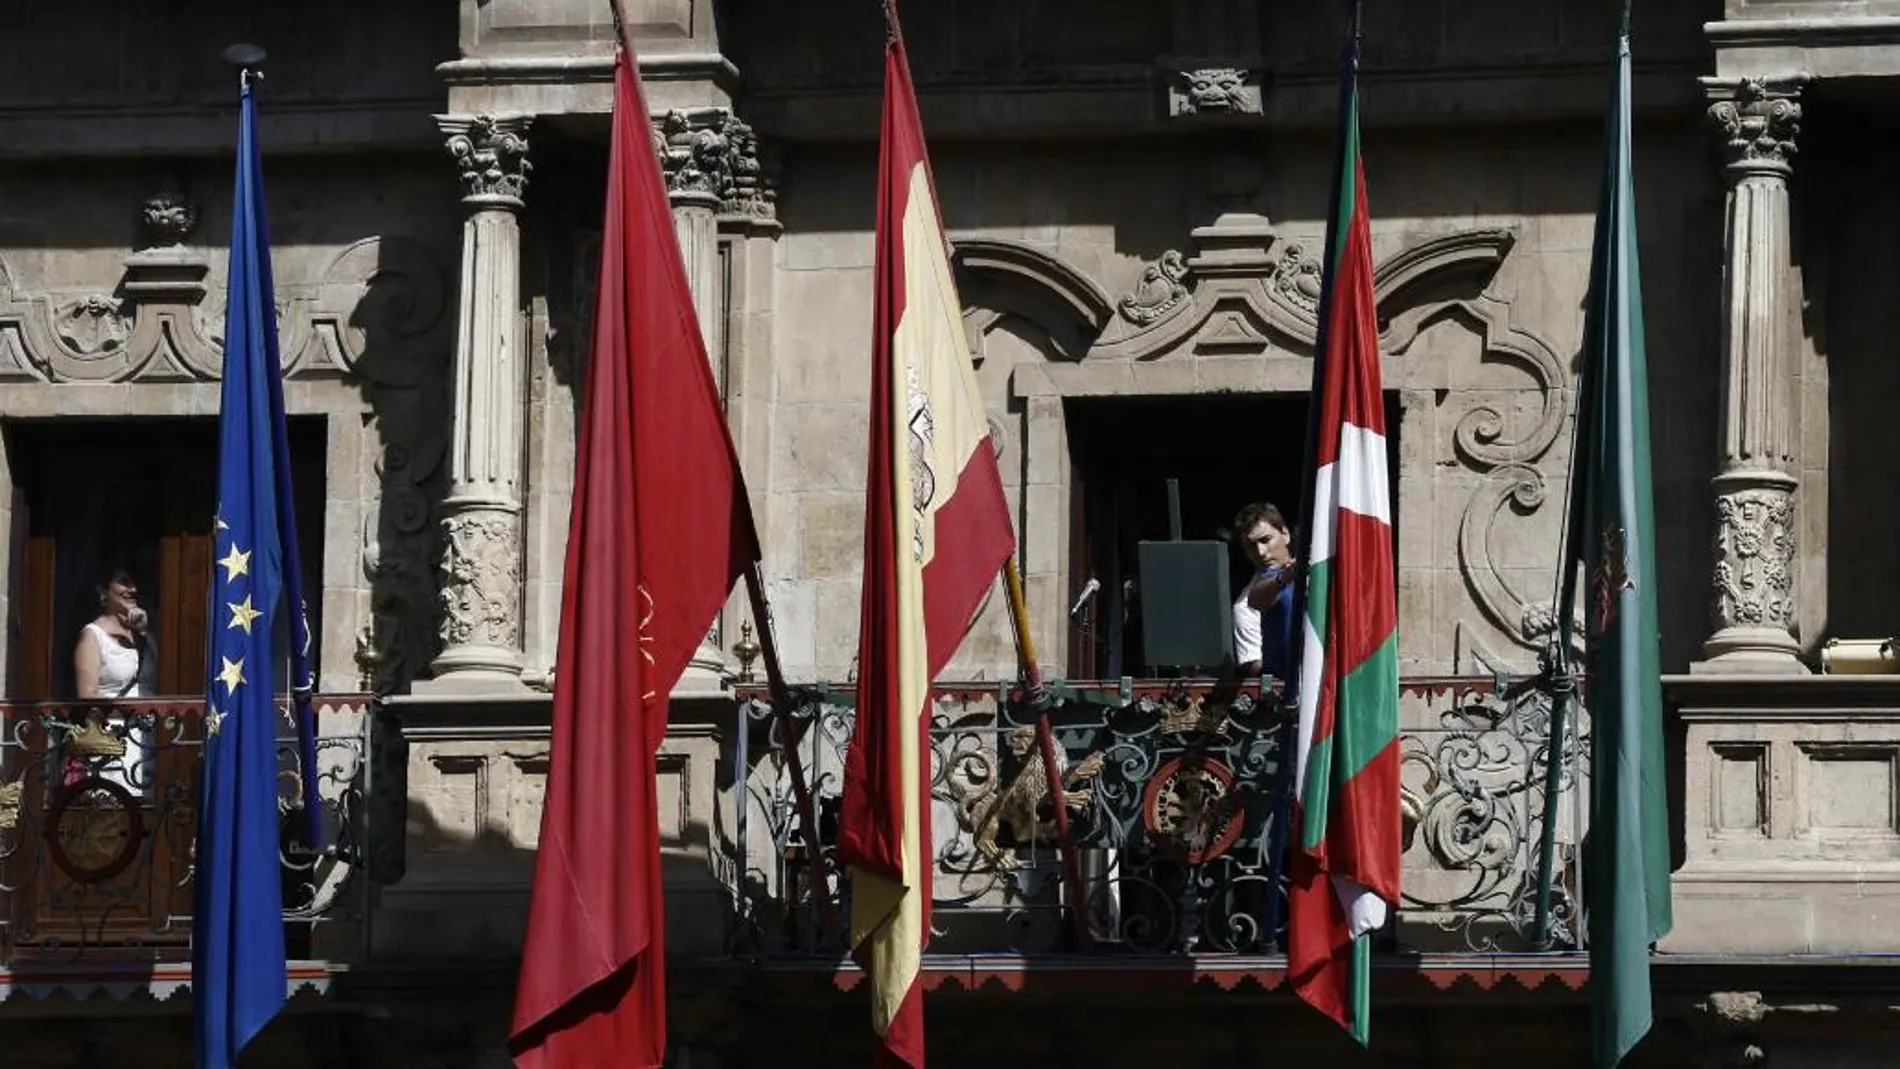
(1178,797)
(98,821)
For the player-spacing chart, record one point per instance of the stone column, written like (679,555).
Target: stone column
(1755,491)
(481,526)
(710,159)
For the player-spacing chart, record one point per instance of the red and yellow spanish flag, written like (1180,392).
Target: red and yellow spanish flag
(936,533)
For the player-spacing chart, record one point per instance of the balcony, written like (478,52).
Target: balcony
(1177,793)
(98,818)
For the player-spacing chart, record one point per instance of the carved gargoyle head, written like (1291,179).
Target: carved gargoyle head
(1215,89)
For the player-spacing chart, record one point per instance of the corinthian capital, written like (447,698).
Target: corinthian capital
(492,152)
(1758,120)
(712,154)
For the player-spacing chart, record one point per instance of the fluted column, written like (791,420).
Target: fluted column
(1755,491)
(481,526)
(710,159)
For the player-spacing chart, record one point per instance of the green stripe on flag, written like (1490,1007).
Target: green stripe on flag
(1367,715)
(1317,804)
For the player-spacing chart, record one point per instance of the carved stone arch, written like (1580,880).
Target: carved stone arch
(999,278)
(1240,311)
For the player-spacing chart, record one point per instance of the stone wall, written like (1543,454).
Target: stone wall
(1482,362)
(111,306)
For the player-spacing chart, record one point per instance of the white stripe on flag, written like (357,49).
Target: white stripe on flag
(1356,482)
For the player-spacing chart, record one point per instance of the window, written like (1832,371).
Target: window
(1225,450)
(137,495)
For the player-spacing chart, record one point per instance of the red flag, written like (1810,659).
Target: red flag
(660,530)
(936,533)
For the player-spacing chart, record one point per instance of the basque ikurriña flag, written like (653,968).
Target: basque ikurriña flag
(238,974)
(936,533)
(1345,861)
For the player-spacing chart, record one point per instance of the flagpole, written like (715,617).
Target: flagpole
(1046,743)
(1296,651)
(791,733)
(1557,677)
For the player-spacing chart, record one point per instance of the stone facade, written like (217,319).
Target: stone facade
(1136,193)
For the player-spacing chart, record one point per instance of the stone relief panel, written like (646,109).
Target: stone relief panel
(1242,291)
(481,579)
(375,317)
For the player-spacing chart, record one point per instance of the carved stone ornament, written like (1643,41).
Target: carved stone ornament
(168,220)
(1213,90)
(481,579)
(93,325)
(1244,292)
(714,153)
(1754,570)
(1159,292)
(1759,124)
(492,152)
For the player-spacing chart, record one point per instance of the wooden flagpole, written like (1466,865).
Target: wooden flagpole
(792,732)
(1046,742)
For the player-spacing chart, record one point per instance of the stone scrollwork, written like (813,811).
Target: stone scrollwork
(492,153)
(1760,123)
(1162,289)
(481,579)
(1243,291)
(1754,570)
(1298,277)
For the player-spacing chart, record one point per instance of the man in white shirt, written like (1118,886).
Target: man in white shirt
(1263,613)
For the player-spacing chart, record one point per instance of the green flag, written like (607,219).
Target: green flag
(1612,536)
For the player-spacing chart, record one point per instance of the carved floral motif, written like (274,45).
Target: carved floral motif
(481,579)
(168,219)
(492,153)
(1760,124)
(714,152)
(1754,571)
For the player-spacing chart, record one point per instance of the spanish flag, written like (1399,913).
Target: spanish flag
(936,533)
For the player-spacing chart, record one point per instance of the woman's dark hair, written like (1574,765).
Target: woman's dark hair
(1252,515)
(113,575)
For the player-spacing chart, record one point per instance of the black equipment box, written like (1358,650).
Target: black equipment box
(1187,618)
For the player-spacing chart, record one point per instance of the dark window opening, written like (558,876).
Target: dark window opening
(136,494)
(1225,450)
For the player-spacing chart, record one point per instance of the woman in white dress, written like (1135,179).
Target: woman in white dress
(115,660)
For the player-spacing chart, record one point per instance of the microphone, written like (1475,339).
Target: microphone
(1089,590)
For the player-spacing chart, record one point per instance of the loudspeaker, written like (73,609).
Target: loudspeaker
(1187,618)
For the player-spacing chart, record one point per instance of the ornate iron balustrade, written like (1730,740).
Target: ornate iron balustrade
(1178,796)
(98,822)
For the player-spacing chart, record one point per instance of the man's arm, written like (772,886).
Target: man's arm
(1267,586)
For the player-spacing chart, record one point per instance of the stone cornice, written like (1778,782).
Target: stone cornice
(1833,31)
(1786,697)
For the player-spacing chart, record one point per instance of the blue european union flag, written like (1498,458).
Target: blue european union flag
(238,961)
